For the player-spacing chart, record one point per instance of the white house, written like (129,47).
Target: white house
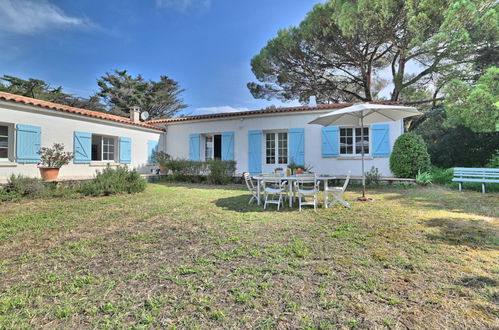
(96,138)
(259,141)
(263,140)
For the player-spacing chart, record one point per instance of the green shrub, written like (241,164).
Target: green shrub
(221,171)
(184,169)
(373,176)
(112,181)
(424,178)
(494,161)
(409,156)
(441,175)
(22,186)
(214,171)
(6,195)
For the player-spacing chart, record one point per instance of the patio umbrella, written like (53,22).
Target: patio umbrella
(365,114)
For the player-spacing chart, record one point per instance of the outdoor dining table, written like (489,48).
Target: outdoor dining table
(290,180)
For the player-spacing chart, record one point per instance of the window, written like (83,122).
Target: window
(4,142)
(276,148)
(103,148)
(350,141)
(208,147)
(107,148)
(213,146)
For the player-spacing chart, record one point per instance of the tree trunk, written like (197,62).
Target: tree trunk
(399,79)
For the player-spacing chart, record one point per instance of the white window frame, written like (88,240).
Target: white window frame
(115,140)
(10,142)
(354,142)
(203,144)
(108,153)
(277,154)
(212,153)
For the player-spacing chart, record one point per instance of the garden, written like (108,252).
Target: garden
(192,255)
(188,251)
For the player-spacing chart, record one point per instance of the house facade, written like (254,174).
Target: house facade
(259,141)
(96,139)
(263,140)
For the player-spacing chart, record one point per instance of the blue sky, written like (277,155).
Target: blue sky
(206,45)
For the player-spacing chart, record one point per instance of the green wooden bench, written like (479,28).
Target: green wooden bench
(482,175)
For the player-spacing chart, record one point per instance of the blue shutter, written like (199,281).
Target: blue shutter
(82,147)
(255,152)
(228,146)
(380,140)
(194,147)
(125,150)
(28,143)
(330,141)
(297,146)
(152,147)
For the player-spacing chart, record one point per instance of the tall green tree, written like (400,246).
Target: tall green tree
(344,49)
(39,89)
(160,98)
(475,106)
(451,146)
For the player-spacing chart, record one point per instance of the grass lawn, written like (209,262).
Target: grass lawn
(199,256)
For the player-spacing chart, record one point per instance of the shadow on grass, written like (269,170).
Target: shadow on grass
(483,285)
(473,233)
(240,204)
(206,186)
(441,198)
(478,281)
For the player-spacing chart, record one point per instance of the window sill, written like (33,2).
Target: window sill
(104,164)
(7,164)
(355,158)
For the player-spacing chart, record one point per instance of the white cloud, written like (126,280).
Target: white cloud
(36,16)
(183,5)
(221,109)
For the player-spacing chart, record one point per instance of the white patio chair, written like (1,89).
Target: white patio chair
(337,194)
(251,187)
(274,189)
(307,185)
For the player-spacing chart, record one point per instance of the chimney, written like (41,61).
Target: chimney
(135,114)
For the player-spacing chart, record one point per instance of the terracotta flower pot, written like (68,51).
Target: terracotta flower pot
(49,173)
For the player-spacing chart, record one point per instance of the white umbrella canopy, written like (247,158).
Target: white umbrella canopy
(365,114)
(368,112)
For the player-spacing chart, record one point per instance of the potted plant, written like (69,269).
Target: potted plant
(51,160)
(299,169)
(160,158)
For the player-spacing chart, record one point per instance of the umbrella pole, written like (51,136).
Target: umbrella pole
(362,152)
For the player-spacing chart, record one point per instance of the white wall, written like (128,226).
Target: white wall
(58,127)
(177,141)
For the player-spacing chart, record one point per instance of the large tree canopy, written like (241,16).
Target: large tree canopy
(120,91)
(475,106)
(348,50)
(41,90)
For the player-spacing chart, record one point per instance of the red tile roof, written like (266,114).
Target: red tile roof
(260,112)
(78,111)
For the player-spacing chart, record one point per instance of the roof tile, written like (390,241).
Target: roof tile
(260,112)
(78,111)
